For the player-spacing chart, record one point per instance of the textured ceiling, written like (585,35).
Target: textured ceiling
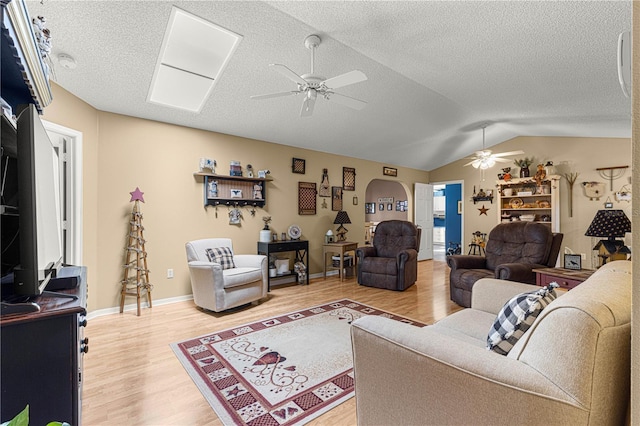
(437,70)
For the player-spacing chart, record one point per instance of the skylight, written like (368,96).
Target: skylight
(193,55)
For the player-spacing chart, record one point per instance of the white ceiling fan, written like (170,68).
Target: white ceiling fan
(485,159)
(312,85)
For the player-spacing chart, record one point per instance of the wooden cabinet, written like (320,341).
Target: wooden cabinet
(523,199)
(233,190)
(42,359)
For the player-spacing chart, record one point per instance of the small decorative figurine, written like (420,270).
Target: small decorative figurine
(257,192)
(208,163)
(212,189)
(541,173)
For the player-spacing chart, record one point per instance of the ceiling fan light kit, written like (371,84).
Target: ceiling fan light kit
(485,159)
(312,85)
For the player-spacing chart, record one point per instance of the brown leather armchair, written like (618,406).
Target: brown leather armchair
(392,262)
(514,249)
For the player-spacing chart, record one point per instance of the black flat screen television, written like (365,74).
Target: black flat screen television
(39,225)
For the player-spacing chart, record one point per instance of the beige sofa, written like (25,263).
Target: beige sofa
(571,367)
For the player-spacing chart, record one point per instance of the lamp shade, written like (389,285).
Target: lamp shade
(610,224)
(342,217)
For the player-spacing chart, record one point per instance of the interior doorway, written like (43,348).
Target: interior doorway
(448,219)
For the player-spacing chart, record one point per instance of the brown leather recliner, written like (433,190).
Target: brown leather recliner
(514,249)
(392,262)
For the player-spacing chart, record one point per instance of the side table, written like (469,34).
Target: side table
(566,278)
(299,247)
(341,248)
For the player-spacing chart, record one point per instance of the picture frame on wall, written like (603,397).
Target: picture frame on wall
(389,171)
(389,206)
(369,208)
(298,165)
(381,207)
(336,198)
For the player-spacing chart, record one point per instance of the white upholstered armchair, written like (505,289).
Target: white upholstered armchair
(222,280)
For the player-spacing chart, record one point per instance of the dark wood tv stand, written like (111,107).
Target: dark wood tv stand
(41,356)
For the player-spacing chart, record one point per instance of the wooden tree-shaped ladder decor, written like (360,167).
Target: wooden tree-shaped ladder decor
(135,281)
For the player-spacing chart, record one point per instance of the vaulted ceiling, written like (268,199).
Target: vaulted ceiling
(437,70)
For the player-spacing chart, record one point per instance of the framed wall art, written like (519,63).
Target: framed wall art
(336,198)
(307,198)
(298,165)
(348,178)
(369,208)
(389,171)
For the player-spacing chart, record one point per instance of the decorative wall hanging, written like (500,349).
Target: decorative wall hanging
(389,171)
(336,198)
(234,216)
(624,194)
(348,178)
(612,173)
(608,204)
(307,198)
(593,190)
(325,189)
(483,210)
(298,165)
(571,179)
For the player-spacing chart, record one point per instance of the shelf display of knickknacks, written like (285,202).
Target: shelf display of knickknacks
(233,190)
(521,199)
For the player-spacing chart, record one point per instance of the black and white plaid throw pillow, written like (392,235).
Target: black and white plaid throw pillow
(221,255)
(516,316)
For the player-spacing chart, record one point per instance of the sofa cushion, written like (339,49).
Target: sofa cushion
(221,255)
(516,316)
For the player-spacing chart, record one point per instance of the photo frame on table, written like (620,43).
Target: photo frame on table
(573,261)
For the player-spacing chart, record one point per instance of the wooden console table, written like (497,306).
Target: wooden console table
(299,247)
(566,278)
(341,248)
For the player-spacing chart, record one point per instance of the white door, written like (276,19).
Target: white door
(423,197)
(68,145)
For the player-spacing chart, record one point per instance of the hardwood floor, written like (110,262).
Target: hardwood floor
(131,375)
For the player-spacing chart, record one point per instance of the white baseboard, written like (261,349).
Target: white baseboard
(133,306)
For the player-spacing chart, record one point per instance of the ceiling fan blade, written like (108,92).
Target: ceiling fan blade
(308,104)
(275,95)
(501,160)
(289,74)
(504,154)
(351,77)
(347,101)
(470,163)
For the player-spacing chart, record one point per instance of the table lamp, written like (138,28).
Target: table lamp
(610,224)
(341,218)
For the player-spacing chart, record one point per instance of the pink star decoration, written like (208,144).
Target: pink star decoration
(137,195)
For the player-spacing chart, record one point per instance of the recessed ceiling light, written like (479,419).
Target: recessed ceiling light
(67,61)
(193,55)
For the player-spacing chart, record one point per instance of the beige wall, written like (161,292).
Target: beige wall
(582,155)
(124,152)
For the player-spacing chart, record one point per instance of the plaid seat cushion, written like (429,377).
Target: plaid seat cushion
(221,255)
(516,316)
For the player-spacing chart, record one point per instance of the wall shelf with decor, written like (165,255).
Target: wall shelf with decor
(523,199)
(233,190)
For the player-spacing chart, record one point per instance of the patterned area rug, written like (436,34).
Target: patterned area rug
(284,370)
